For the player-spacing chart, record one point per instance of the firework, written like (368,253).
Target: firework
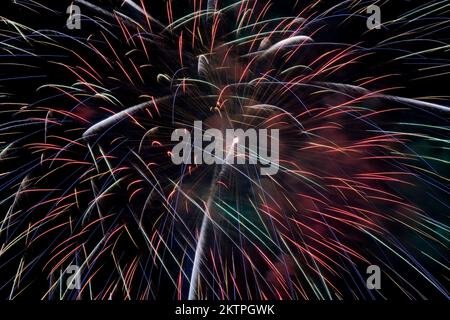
(87,177)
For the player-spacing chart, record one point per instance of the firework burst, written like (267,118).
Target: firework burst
(87,177)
